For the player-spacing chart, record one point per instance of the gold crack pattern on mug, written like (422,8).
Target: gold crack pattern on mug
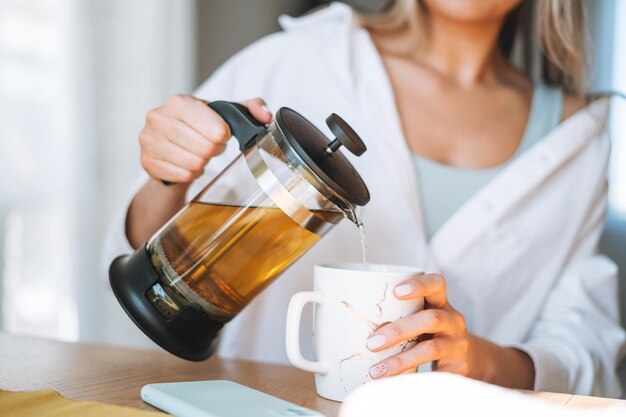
(373,326)
(415,341)
(378,304)
(354,355)
(362,317)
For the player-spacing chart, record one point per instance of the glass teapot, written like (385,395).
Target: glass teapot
(285,190)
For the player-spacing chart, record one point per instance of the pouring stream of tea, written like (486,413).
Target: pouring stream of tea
(359,223)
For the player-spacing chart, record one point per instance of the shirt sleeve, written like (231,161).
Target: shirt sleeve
(578,340)
(115,242)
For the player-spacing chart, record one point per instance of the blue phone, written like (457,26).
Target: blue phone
(218,399)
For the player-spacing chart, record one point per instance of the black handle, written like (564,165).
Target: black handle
(243,126)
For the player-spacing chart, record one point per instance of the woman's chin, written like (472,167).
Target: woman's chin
(473,11)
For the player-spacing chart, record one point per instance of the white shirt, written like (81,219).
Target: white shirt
(519,257)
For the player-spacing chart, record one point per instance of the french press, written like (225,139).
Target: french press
(285,190)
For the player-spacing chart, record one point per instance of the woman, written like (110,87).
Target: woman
(492,180)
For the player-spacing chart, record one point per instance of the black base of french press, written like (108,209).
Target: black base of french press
(189,335)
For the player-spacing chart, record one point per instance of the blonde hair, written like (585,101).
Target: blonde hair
(546,39)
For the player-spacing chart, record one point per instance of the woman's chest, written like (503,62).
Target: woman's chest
(472,127)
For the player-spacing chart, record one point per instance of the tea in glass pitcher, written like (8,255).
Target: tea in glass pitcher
(220,256)
(285,190)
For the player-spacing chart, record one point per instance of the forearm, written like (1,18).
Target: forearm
(504,366)
(153,205)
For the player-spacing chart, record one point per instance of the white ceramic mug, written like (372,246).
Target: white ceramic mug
(350,303)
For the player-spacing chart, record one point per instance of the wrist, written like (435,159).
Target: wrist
(174,192)
(483,365)
(169,186)
(505,366)
(152,206)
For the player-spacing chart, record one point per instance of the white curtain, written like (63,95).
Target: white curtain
(76,80)
(144,51)
(39,133)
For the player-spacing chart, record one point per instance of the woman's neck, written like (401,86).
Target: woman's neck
(466,53)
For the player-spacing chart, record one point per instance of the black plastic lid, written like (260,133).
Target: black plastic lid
(322,156)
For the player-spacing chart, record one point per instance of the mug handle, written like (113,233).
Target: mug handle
(292,333)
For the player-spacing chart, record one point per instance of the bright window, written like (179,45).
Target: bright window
(36,143)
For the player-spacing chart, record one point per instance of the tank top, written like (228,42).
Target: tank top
(445,188)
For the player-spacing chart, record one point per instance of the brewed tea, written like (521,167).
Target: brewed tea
(220,257)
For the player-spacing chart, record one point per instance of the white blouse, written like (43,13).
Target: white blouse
(519,257)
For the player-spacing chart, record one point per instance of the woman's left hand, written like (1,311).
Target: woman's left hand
(450,346)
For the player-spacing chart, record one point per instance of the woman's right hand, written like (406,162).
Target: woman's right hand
(182,135)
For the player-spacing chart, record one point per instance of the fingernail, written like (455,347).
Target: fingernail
(379,370)
(374,342)
(266,109)
(403,289)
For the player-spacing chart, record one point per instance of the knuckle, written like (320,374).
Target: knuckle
(433,317)
(463,345)
(198,173)
(221,131)
(396,363)
(207,149)
(146,163)
(186,176)
(177,100)
(439,280)
(459,320)
(432,348)
(144,138)
(219,150)
(395,331)
(216,149)
(153,117)
(196,165)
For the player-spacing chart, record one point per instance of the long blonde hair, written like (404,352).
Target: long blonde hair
(546,39)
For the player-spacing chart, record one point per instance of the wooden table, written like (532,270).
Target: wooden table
(115,375)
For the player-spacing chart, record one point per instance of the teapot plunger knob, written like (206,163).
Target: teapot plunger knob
(344,135)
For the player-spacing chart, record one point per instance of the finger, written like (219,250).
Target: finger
(200,117)
(176,155)
(410,327)
(430,286)
(259,109)
(457,367)
(187,138)
(423,352)
(163,170)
